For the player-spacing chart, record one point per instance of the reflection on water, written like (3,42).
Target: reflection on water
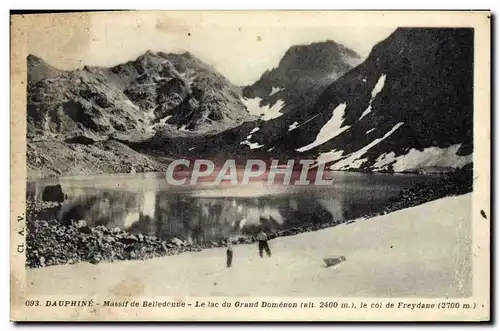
(141,204)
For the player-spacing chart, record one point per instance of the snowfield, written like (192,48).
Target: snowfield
(275,90)
(355,160)
(293,126)
(422,251)
(248,142)
(265,113)
(432,156)
(376,90)
(331,129)
(330,156)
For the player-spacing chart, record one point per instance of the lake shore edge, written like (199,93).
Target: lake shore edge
(51,242)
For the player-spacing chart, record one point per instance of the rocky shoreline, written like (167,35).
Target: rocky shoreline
(51,242)
(450,185)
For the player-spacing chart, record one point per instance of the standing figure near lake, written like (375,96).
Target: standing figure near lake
(263,245)
(229,253)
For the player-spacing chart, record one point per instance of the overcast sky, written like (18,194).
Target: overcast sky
(241,45)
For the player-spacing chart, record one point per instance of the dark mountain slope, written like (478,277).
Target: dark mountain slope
(409,105)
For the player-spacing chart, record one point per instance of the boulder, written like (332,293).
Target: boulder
(141,237)
(82,227)
(177,242)
(53,193)
(129,239)
(85,229)
(165,247)
(81,224)
(42,261)
(94,259)
(129,248)
(333,260)
(102,229)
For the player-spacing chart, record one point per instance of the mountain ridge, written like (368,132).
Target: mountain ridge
(299,78)
(408,105)
(390,113)
(102,110)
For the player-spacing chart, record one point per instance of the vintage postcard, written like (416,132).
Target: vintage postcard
(250,166)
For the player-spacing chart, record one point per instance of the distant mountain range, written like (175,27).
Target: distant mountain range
(78,121)
(177,92)
(408,106)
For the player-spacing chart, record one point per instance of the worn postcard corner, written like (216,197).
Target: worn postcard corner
(250,166)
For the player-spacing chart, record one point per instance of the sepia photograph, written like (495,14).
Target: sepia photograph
(221,165)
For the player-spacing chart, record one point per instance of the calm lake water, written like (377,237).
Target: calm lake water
(143,203)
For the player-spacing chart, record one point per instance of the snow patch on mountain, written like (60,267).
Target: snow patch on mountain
(330,156)
(366,112)
(293,126)
(254,130)
(165,119)
(248,142)
(431,156)
(275,90)
(131,104)
(367,132)
(355,160)
(253,145)
(331,129)
(265,113)
(378,87)
(376,90)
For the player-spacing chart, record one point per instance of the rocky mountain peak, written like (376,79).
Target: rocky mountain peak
(318,56)
(302,74)
(39,69)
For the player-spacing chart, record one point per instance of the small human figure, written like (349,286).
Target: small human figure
(229,254)
(263,245)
